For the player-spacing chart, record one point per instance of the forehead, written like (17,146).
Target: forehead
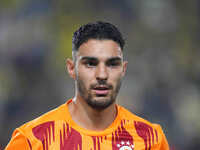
(101,49)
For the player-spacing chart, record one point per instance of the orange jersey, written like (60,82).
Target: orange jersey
(56,130)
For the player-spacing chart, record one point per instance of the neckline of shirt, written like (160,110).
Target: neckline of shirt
(80,129)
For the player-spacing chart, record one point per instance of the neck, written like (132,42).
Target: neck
(90,118)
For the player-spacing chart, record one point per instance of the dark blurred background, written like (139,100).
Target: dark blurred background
(162,47)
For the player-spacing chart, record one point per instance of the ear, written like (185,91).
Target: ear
(125,64)
(70,66)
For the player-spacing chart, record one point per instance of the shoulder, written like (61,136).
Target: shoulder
(125,114)
(144,129)
(44,120)
(32,131)
(141,125)
(40,126)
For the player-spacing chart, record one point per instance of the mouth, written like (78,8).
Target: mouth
(101,90)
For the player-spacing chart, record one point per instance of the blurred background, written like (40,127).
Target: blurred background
(162,47)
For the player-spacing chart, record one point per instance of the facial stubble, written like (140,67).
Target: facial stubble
(89,98)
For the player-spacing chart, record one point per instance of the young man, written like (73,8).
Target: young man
(92,120)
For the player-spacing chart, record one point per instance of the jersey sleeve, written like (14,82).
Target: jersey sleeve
(18,142)
(164,143)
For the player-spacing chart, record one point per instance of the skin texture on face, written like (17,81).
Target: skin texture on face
(98,71)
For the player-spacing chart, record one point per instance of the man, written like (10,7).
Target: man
(92,120)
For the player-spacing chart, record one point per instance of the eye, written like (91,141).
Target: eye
(91,64)
(114,63)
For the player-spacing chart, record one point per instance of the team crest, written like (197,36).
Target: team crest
(125,146)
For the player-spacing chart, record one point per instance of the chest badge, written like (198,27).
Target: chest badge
(125,146)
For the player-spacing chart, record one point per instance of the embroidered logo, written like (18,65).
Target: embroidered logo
(125,145)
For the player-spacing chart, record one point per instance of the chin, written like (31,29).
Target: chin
(100,102)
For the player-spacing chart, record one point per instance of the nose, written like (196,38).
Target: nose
(101,72)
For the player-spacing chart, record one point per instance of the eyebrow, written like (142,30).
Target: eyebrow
(115,59)
(88,58)
(95,58)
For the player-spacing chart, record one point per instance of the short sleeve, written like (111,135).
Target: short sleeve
(164,143)
(18,142)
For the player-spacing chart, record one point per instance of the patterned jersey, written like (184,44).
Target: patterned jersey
(56,130)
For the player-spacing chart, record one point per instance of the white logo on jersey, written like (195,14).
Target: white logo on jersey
(125,146)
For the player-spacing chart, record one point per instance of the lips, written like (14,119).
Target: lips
(101,90)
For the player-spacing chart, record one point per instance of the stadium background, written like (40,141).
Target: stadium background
(163,79)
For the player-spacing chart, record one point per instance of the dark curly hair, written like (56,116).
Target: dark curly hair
(97,30)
